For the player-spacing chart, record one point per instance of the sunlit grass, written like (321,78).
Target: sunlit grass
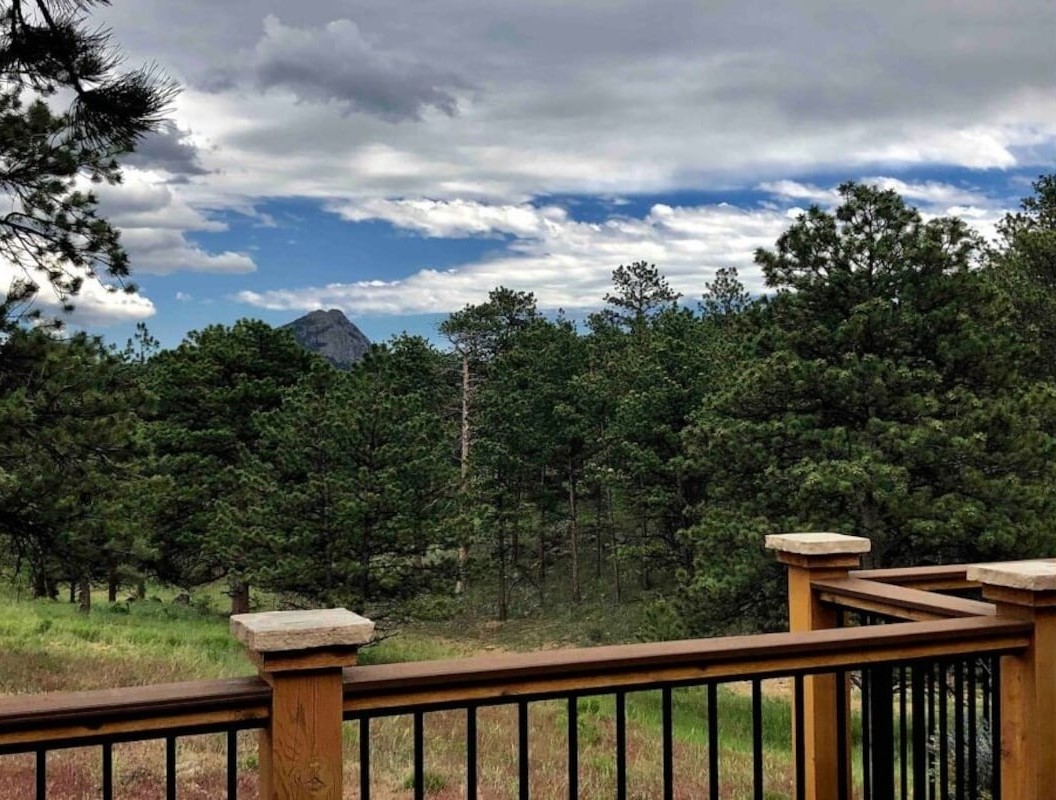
(49,646)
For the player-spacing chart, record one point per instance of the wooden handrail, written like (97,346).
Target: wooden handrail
(76,719)
(393,688)
(73,719)
(896,601)
(935,577)
(81,718)
(942,576)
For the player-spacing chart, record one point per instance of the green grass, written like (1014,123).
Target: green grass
(689,710)
(46,645)
(50,646)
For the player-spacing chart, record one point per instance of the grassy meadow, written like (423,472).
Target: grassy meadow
(48,646)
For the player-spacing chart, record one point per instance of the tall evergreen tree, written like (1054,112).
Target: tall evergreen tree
(68,416)
(351,483)
(209,391)
(1024,265)
(67,112)
(478,333)
(885,399)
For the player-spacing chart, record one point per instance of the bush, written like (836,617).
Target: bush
(432,608)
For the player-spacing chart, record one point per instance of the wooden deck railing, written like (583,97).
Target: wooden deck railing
(937,674)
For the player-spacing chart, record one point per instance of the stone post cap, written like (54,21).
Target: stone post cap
(817,544)
(283,631)
(1033,576)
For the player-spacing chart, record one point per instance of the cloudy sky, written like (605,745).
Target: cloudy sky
(399,159)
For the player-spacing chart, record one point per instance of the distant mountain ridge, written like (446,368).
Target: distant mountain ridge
(331,335)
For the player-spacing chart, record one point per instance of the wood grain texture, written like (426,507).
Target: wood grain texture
(822,736)
(1028,700)
(301,749)
(901,602)
(139,712)
(725,657)
(944,576)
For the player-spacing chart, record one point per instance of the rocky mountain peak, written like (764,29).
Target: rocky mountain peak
(331,335)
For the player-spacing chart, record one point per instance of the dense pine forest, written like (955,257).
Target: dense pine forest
(897,380)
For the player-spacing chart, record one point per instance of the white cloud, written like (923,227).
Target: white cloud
(160,251)
(933,193)
(97,303)
(485,107)
(455,218)
(927,194)
(566,263)
(800,191)
(154,217)
(577,97)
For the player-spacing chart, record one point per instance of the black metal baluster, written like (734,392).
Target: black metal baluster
(995,726)
(621,746)
(42,775)
(920,734)
(419,755)
(364,758)
(573,748)
(958,729)
(973,735)
(713,741)
(903,732)
(757,737)
(881,709)
(668,743)
(108,771)
(867,738)
(843,738)
(471,753)
(797,736)
(232,765)
(931,730)
(170,768)
(522,746)
(944,739)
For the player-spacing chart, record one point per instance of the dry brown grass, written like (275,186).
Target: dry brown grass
(138,774)
(47,647)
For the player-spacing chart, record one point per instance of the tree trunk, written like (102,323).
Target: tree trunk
(239,597)
(141,589)
(573,533)
(542,557)
(40,584)
(615,550)
(84,596)
(112,585)
(463,547)
(644,576)
(599,528)
(504,605)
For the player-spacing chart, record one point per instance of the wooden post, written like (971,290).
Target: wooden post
(810,557)
(1026,590)
(301,654)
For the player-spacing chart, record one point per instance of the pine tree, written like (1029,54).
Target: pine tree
(209,391)
(68,419)
(67,113)
(886,398)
